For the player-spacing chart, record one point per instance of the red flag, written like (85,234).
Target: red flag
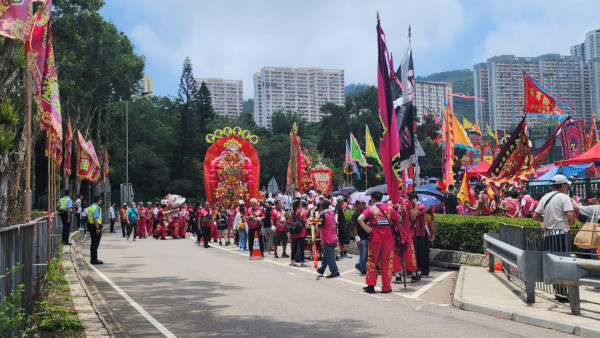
(88,166)
(535,98)
(573,139)
(542,153)
(514,161)
(105,162)
(15,18)
(68,147)
(389,143)
(40,60)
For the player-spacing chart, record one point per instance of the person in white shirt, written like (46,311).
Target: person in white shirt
(556,214)
(111,216)
(78,210)
(84,218)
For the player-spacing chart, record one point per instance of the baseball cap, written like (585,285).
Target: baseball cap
(560,179)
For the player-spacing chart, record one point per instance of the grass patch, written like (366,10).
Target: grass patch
(54,314)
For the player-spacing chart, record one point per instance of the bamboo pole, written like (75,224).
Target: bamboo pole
(49,198)
(27,142)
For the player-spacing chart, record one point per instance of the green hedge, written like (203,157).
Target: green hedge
(463,233)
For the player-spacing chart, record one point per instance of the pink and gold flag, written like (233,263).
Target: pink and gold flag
(15,18)
(68,147)
(88,166)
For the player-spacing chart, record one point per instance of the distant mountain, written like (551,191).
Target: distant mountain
(462,82)
(355,88)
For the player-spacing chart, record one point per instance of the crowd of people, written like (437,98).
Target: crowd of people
(393,240)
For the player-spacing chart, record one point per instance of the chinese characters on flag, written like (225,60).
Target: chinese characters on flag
(535,99)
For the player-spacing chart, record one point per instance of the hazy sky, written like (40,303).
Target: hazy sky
(233,39)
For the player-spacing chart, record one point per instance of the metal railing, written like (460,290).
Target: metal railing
(545,260)
(32,245)
(529,263)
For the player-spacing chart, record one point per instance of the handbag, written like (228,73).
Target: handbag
(295,226)
(241,226)
(588,237)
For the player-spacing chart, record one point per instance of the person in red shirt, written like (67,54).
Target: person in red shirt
(278,222)
(417,217)
(255,216)
(183,221)
(298,240)
(123,219)
(149,218)
(381,242)
(205,221)
(329,240)
(141,228)
(161,230)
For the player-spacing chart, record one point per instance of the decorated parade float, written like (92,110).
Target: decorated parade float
(231,166)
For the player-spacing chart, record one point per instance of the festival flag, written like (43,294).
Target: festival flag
(351,162)
(40,61)
(105,163)
(488,152)
(389,144)
(467,124)
(477,157)
(370,147)
(15,18)
(464,191)
(573,139)
(88,166)
(514,161)
(356,154)
(449,143)
(403,84)
(477,129)
(461,139)
(593,134)
(68,148)
(496,135)
(504,138)
(437,120)
(542,153)
(488,130)
(536,99)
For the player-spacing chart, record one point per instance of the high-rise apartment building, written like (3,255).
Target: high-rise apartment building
(593,82)
(431,96)
(302,90)
(499,82)
(226,96)
(145,86)
(590,48)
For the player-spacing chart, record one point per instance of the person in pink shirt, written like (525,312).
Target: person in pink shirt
(417,214)
(329,240)
(255,216)
(149,218)
(279,222)
(381,242)
(205,221)
(298,240)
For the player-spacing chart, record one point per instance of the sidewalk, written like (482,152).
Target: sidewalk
(478,290)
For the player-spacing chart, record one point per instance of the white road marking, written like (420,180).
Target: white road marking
(431,284)
(133,303)
(346,272)
(415,295)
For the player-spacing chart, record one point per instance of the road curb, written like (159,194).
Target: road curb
(99,317)
(517,316)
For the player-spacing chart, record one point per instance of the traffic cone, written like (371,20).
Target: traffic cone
(256,248)
(201,241)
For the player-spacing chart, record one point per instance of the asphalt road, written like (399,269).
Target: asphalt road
(175,288)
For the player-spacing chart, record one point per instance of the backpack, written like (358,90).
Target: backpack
(295,226)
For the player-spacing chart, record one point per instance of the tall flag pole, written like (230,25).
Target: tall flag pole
(389,144)
(68,149)
(105,163)
(449,143)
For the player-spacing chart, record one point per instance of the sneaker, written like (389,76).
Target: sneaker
(369,289)
(227,243)
(163,239)
(388,291)
(97,261)
(319,273)
(207,246)
(285,255)
(220,243)
(144,237)
(413,279)
(334,275)
(134,239)
(275,255)
(398,280)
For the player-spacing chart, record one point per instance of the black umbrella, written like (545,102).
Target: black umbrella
(381,188)
(431,192)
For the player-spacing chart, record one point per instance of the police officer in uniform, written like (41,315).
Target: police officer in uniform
(95,228)
(65,205)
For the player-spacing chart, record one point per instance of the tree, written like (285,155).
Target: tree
(187,101)
(96,65)
(428,129)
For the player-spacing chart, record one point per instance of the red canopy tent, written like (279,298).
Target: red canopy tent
(589,156)
(480,169)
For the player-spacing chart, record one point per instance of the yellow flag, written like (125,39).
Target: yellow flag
(496,135)
(468,125)
(477,129)
(370,148)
